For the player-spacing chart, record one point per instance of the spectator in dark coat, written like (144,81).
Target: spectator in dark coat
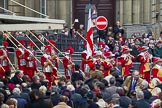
(20,101)
(135,50)
(88,80)
(125,101)
(54,95)
(36,83)
(141,103)
(144,88)
(77,75)
(90,100)
(157,52)
(17,78)
(36,101)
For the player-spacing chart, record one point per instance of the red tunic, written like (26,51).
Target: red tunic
(67,60)
(4,62)
(107,66)
(126,62)
(144,57)
(21,59)
(31,64)
(47,70)
(157,72)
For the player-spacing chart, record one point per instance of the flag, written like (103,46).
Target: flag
(89,36)
(94,16)
(94,13)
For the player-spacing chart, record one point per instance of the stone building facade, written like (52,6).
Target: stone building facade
(135,15)
(140,16)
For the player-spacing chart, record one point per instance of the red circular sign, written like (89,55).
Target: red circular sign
(101,22)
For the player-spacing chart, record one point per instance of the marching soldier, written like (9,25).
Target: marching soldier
(5,63)
(126,60)
(68,62)
(31,65)
(20,56)
(108,63)
(3,59)
(144,57)
(157,69)
(47,65)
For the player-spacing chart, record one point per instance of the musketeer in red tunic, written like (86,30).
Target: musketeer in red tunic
(47,65)
(20,56)
(108,63)
(5,63)
(144,57)
(126,60)
(157,69)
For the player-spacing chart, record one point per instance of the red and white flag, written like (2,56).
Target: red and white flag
(90,47)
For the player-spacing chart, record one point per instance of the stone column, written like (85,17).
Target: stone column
(19,10)
(127,12)
(65,10)
(147,11)
(160,11)
(121,12)
(52,8)
(136,11)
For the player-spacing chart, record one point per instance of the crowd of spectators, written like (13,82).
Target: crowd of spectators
(84,90)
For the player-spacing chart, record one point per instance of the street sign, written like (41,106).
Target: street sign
(101,23)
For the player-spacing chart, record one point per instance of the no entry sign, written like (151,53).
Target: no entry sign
(101,22)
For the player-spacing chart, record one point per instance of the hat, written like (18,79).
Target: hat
(30,44)
(70,49)
(143,48)
(159,42)
(115,96)
(126,49)
(101,44)
(156,59)
(21,42)
(70,88)
(51,42)
(109,54)
(48,49)
(5,43)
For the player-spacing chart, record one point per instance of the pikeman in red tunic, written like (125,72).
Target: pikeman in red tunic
(126,60)
(68,62)
(5,63)
(157,69)
(3,59)
(108,63)
(144,57)
(31,64)
(47,65)
(20,56)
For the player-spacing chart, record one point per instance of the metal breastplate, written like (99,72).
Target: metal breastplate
(4,63)
(30,64)
(47,69)
(22,62)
